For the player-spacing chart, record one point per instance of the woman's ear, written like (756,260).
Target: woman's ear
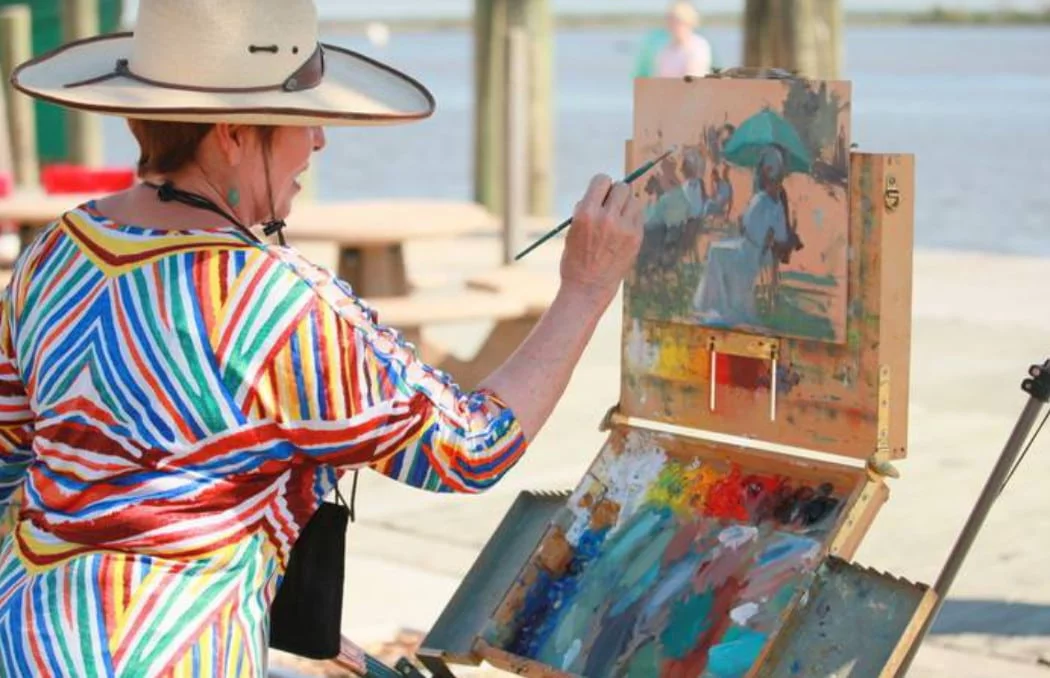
(232,141)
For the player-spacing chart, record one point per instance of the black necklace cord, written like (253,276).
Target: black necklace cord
(167,192)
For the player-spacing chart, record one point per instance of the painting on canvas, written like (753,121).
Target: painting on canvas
(672,562)
(746,222)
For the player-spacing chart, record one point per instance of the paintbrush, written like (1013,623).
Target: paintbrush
(565,224)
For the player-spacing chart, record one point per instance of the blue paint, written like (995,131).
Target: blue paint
(642,527)
(675,582)
(734,657)
(787,546)
(547,597)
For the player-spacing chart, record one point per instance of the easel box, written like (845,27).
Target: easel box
(704,523)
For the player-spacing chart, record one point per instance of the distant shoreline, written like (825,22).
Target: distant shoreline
(853,19)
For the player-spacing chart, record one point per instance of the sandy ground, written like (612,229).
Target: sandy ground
(979,321)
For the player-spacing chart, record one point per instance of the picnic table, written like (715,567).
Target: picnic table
(371,236)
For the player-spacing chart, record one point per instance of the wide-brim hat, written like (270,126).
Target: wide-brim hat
(234,61)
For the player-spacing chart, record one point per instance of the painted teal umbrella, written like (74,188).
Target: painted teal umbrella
(762,130)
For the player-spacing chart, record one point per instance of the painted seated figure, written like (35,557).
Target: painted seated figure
(726,294)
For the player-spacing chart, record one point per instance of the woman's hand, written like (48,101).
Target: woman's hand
(603,241)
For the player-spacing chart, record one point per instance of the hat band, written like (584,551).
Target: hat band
(307,76)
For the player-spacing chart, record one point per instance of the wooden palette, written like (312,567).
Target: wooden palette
(675,557)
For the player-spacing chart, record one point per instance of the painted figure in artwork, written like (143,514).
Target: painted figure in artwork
(721,204)
(727,292)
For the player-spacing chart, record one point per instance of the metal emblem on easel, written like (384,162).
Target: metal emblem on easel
(892,194)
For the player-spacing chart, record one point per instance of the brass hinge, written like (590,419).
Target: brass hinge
(859,513)
(744,345)
(879,463)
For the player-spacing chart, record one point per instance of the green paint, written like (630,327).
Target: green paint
(669,484)
(809,278)
(626,540)
(645,663)
(644,569)
(688,619)
(666,294)
(785,594)
(790,317)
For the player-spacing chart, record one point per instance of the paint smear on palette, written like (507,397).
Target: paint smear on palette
(691,580)
(621,481)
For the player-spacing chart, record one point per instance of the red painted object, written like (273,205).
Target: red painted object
(59,179)
(7,186)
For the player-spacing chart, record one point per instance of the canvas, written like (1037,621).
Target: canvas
(746,222)
(673,558)
(847,399)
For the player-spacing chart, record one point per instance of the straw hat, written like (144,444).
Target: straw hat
(235,61)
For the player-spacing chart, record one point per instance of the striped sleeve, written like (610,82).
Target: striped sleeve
(16,418)
(353,393)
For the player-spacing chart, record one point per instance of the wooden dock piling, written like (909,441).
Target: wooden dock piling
(80,19)
(494,22)
(16,36)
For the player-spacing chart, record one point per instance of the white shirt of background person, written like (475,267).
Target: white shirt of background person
(687,53)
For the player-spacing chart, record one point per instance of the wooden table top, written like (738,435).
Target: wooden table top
(361,223)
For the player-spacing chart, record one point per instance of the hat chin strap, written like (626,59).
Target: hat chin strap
(274,225)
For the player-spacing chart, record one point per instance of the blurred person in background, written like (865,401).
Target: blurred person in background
(677,50)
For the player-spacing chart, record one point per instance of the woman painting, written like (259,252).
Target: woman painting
(178,394)
(726,294)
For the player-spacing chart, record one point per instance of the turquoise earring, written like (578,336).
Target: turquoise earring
(233,197)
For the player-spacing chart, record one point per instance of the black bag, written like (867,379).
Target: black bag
(306,615)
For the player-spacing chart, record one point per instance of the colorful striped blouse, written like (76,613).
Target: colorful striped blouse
(173,408)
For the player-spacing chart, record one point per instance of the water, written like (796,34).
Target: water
(973,104)
(333,9)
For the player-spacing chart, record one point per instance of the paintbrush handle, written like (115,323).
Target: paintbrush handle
(565,224)
(550,234)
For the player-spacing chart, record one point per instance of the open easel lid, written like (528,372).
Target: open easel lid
(844,392)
